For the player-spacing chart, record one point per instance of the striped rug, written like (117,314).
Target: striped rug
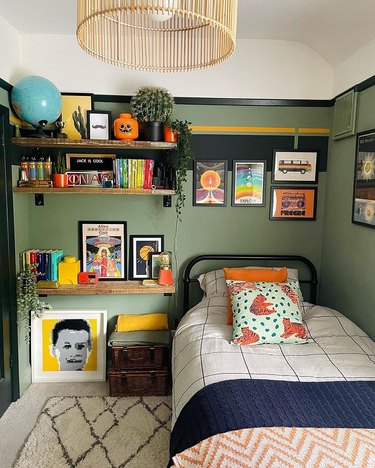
(100,432)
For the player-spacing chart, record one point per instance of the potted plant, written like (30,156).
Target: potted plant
(28,301)
(170,135)
(152,106)
(182,161)
(59,176)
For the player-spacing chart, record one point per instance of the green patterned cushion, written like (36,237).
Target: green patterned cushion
(266,313)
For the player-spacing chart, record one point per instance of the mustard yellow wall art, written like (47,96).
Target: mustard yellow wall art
(74,114)
(69,345)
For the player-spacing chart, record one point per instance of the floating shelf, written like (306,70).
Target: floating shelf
(91,191)
(107,287)
(94,144)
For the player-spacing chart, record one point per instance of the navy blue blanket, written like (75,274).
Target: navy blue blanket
(239,404)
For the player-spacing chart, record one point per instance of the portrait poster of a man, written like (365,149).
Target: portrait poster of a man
(69,345)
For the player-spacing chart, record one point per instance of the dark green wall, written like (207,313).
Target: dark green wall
(347,280)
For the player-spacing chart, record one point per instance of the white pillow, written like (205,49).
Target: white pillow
(213,283)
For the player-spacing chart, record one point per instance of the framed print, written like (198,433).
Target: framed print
(99,124)
(154,264)
(295,166)
(249,183)
(74,114)
(141,247)
(103,248)
(363,211)
(294,203)
(69,346)
(209,183)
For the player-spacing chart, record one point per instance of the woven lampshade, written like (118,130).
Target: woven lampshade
(158,35)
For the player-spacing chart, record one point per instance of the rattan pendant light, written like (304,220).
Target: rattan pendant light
(158,35)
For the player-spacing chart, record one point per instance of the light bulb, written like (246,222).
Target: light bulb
(161,17)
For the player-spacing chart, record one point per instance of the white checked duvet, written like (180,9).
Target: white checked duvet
(203,352)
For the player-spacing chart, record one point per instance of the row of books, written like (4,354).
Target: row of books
(44,263)
(133,173)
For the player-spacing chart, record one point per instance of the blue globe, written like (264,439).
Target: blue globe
(36,100)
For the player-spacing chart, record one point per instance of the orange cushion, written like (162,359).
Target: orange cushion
(253,274)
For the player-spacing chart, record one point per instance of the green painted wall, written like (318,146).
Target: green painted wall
(348,253)
(204,229)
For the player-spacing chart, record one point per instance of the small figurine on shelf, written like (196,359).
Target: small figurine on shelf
(59,176)
(60,125)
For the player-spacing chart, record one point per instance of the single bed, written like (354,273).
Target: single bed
(228,399)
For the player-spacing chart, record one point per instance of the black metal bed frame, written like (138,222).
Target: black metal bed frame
(188,280)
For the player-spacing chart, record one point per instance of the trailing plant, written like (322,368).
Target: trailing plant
(152,104)
(182,161)
(59,166)
(28,301)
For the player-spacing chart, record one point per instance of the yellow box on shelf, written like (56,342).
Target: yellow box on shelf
(69,268)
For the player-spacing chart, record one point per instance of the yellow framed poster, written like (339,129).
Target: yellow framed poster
(74,114)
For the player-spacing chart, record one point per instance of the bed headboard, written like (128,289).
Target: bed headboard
(280,260)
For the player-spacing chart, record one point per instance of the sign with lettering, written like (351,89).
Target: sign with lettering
(88,178)
(90,162)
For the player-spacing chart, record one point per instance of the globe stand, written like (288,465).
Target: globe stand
(40,132)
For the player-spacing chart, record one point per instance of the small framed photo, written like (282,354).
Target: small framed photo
(293,203)
(363,211)
(249,183)
(103,248)
(210,183)
(141,247)
(154,264)
(294,166)
(69,346)
(99,124)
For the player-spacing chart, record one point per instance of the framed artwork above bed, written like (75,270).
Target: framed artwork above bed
(210,183)
(363,211)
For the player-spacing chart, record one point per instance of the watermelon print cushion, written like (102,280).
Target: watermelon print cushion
(266,313)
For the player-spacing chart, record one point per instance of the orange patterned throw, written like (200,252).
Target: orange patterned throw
(288,447)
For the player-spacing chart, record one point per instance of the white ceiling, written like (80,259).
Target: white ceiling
(334,28)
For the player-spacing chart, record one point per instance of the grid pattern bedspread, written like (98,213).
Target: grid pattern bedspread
(203,352)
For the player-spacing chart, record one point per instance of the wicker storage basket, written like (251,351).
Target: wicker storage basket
(140,357)
(143,383)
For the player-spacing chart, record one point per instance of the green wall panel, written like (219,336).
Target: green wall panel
(348,250)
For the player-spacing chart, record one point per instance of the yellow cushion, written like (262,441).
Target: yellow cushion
(127,323)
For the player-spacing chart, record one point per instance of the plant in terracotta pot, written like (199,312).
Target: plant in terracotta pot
(170,135)
(28,302)
(59,176)
(152,106)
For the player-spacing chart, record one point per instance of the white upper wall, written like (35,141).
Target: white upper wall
(270,69)
(10,50)
(355,69)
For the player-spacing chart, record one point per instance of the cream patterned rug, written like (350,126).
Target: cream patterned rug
(100,432)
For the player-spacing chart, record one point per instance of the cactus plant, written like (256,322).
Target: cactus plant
(152,104)
(59,166)
(79,122)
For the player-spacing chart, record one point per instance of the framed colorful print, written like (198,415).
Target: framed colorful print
(293,203)
(141,247)
(154,264)
(294,166)
(209,183)
(69,346)
(363,211)
(249,183)
(74,114)
(99,124)
(103,248)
